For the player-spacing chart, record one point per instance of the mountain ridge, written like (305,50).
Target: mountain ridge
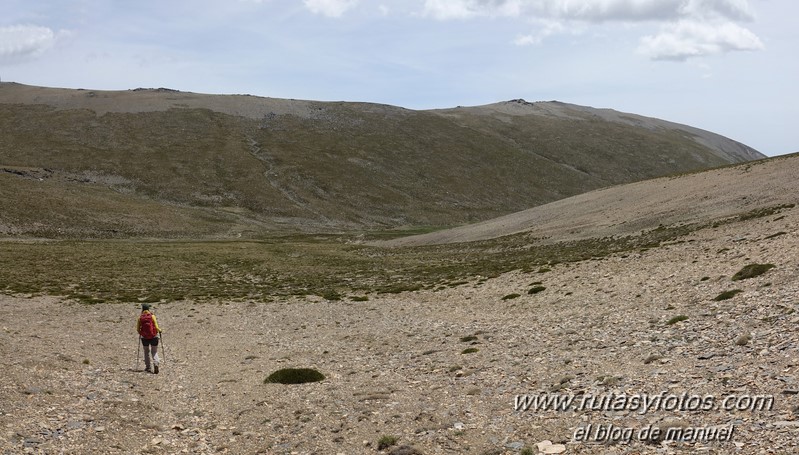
(233,165)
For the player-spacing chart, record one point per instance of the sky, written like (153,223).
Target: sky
(728,66)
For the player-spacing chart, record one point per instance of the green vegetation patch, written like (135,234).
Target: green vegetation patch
(511,296)
(278,267)
(751,271)
(469,350)
(766,211)
(294,376)
(386,441)
(726,295)
(536,289)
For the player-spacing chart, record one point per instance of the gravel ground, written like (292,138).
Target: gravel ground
(395,365)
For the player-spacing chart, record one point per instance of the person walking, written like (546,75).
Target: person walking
(148,329)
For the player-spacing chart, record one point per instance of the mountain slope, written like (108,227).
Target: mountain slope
(222,165)
(755,188)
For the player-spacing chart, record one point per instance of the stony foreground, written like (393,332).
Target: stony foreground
(395,368)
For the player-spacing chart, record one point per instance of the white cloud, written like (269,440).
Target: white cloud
(330,8)
(687,39)
(547,29)
(688,27)
(22,42)
(464,9)
(590,10)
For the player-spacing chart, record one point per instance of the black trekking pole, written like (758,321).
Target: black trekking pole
(138,347)
(163,346)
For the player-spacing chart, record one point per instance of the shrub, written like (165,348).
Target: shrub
(468,338)
(676,319)
(751,271)
(331,295)
(359,298)
(727,295)
(386,441)
(511,296)
(294,376)
(536,289)
(469,350)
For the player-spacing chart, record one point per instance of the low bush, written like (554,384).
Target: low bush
(294,376)
(727,295)
(751,271)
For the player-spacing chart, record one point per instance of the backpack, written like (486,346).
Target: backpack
(147,326)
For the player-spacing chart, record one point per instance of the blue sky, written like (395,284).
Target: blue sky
(728,66)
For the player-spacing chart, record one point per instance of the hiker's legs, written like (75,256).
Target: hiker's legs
(156,359)
(146,353)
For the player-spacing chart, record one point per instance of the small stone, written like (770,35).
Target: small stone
(458,426)
(543,445)
(548,448)
(516,445)
(99,429)
(786,423)
(157,440)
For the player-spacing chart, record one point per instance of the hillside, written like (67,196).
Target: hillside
(163,163)
(629,209)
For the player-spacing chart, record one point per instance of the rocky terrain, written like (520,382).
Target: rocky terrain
(438,371)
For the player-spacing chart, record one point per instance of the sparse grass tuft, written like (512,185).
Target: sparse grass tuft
(767,211)
(469,350)
(294,376)
(386,441)
(511,296)
(726,295)
(331,295)
(468,338)
(751,271)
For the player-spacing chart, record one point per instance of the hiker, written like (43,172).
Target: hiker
(148,330)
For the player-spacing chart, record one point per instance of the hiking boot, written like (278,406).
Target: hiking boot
(147,370)
(155,369)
